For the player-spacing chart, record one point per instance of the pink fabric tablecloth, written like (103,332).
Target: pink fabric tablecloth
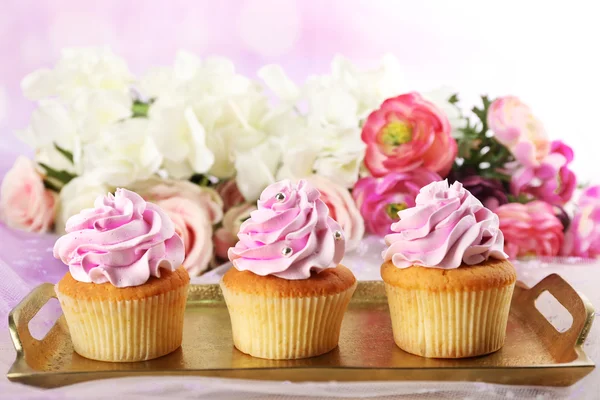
(26,260)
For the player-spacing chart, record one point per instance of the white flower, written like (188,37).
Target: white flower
(440,98)
(256,168)
(346,95)
(53,124)
(156,82)
(160,81)
(282,86)
(206,115)
(87,91)
(341,158)
(78,70)
(330,151)
(77,195)
(73,125)
(181,139)
(369,87)
(52,157)
(123,154)
(98,109)
(327,139)
(298,163)
(330,105)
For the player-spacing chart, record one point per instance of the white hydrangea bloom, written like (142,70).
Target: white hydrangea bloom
(160,81)
(332,106)
(53,124)
(95,110)
(85,93)
(79,70)
(124,153)
(257,168)
(369,87)
(205,116)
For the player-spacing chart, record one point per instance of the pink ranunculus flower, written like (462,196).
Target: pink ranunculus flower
(552,181)
(194,210)
(230,194)
(408,132)
(583,236)
(380,199)
(515,126)
(342,209)
(530,229)
(24,201)
(226,236)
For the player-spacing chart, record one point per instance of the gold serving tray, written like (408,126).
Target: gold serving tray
(535,353)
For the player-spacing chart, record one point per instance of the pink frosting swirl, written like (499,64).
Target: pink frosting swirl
(447,227)
(290,235)
(123,240)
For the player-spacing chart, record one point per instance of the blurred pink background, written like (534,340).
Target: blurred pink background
(543,52)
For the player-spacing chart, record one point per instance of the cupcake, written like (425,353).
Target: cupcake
(287,293)
(125,293)
(447,278)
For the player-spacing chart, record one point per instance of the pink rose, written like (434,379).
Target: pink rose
(194,210)
(517,128)
(530,229)
(380,199)
(583,236)
(552,181)
(24,201)
(226,236)
(342,209)
(230,194)
(406,133)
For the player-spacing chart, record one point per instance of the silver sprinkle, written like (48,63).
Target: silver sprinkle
(280,197)
(287,251)
(337,235)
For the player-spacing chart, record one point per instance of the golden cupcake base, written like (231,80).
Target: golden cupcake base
(454,313)
(534,353)
(136,323)
(449,324)
(281,319)
(286,328)
(126,330)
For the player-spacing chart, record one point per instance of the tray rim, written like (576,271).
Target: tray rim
(20,371)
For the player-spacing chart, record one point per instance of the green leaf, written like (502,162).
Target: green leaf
(486,102)
(68,155)
(62,176)
(49,185)
(475,139)
(140,109)
(453,99)
(583,185)
(481,113)
(521,198)
(202,180)
(492,174)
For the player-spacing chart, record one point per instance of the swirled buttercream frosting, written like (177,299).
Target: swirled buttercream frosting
(122,240)
(447,228)
(290,235)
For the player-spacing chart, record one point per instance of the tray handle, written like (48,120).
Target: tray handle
(19,317)
(575,303)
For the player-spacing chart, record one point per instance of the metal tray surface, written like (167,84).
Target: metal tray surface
(535,353)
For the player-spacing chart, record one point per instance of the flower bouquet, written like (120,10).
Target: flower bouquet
(203,141)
